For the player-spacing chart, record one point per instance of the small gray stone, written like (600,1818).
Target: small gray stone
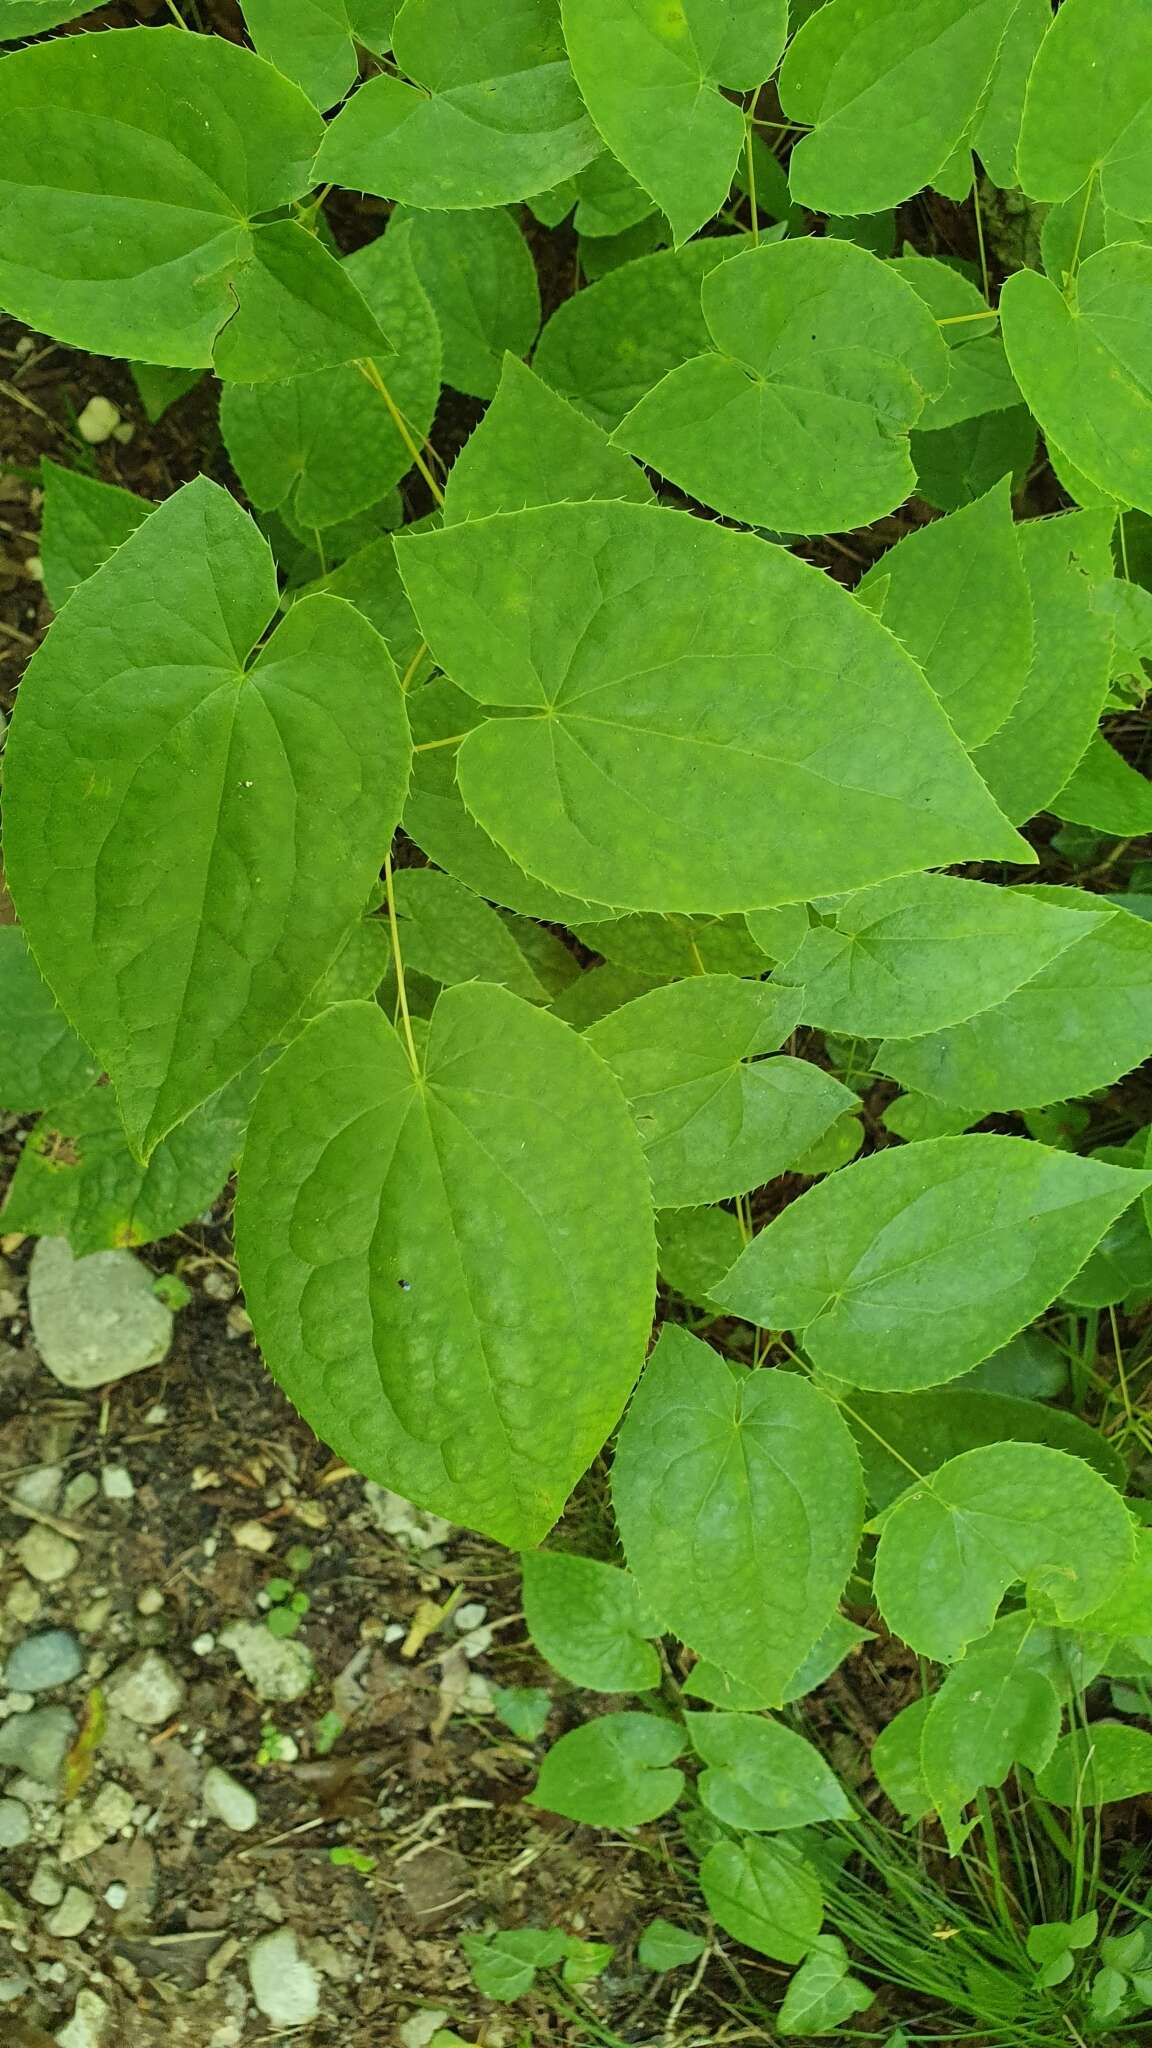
(285,1986)
(146,1690)
(73,1915)
(94,1319)
(40,1488)
(41,1662)
(80,1493)
(276,1667)
(85,1831)
(15,1824)
(12,1988)
(116,1483)
(47,1886)
(228,1801)
(47,1556)
(89,2024)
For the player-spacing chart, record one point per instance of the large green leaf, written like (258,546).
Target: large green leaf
(997,132)
(956,464)
(979,380)
(605,347)
(613,1772)
(451,1274)
(914,955)
(320,448)
(31,17)
(452,936)
(1088,109)
(191,830)
(41,1058)
(628,774)
(310,41)
(1075,1027)
(800,422)
(669,947)
(713,1117)
(1084,363)
(891,91)
(898,1432)
(78,1179)
(650,77)
(907,1268)
(761,1777)
(138,170)
(84,521)
(694,1248)
(1029,759)
(1096,1765)
(459,42)
(478,272)
(996,1708)
(955,594)
(746,1482)
(587,1620)
(953,1544)
(478,144)
(533,448)
(1106,793)
(764,1894)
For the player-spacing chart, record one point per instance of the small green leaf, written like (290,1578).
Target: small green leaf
(715,1119)
(670,947)
(997,131)
(523,1708)
(951,1546)
(586,1619)
(84,522)
(461,42)
(19,18)
(310,41)
(897,1761)
(1106,793)
(826,1655)
(826,356)
(743,1480)
(663,1946)
(533,448)
(1098,1765)
(452,936)
(504,1965)
(761,1777)
(614,1772)
(955,465)
(890,1291)
(994,1709)
(926,1429)
(765,1895)
(478,273)
(979,380)
(694,1250)
(584,1961)
(822,1993)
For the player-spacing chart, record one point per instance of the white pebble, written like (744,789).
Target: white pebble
(98,421)
(470,1616)
(150,1601)
(116,1897)
(254,1536)
(203,1646)
(229,1802)
(116,1483)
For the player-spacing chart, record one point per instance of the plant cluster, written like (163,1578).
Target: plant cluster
(858,867)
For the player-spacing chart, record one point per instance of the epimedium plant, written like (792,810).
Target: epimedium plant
(602,689)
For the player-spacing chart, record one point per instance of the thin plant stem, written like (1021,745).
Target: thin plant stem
(398,962)
(1074,266)
(368,368)
(410,672)
(979,212)
(750,160)
(177,17)
(428,746)
(962,319)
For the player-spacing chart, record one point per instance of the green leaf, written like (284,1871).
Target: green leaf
(457,42)
(1111,135)
(765,1895)
(355,974)
(1075,1027)
(84,521)
(78,1179)
(612,1772)
(997,131)
(954,465)
(159,388)
(1048,1939)
(929,950)
(41,1058)
(995,1708)
(951,1546)
(826,1655)
(822,1993)
(137,171)
(650,77)
(20,18)
(694,1250)
(915,1116)
(1127,1611)
(453,936)
(478,273)
(504,1965)
(587,1621)
(469,146)
(182,774)
(533,448)
(1121,1265)
(671,947)
(1098,1765)
(663,1946)
(564,613)
(907,1268)
(522,1708)
(922,1431)
(979,380)
(746,1481)
(1105,793)
(370,580)
(322,447)
(715,1119)
(426,1259)
(778,933)
(608,201)
(825,356)
(605,347)
(891,92)
(310,41)
(897,1762)
(435,816)
(1085,365)
(761,1777)
(955,594)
